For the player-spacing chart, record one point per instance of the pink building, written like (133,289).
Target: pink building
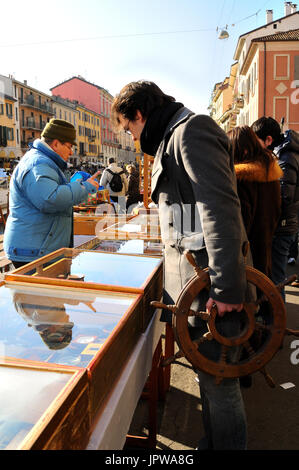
(96,99)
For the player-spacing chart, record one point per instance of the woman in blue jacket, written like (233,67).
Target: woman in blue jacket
(41,198)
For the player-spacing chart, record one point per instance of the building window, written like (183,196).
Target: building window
(9,110)
(296,67)
(9,133)
(281,67)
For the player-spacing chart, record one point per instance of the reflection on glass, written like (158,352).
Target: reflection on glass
(80,239)
(25,394)
(123,246)
(102,268)
(62,327)
(110,269)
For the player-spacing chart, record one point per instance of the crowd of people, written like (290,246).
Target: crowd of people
(215,192)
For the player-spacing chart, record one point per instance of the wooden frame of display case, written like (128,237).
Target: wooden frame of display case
(113,232)
(65,423)
(145,176)
(86,225)
(92,244)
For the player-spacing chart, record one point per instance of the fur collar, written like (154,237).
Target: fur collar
(255,171)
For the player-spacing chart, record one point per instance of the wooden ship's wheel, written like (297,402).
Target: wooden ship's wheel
(263,331)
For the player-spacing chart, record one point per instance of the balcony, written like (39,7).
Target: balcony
(30,102)
(30,123)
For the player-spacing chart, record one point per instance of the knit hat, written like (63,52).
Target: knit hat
(60,130)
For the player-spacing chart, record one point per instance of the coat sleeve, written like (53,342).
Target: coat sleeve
(247,194)
(41,187)
(104,179)
(125,182)
(204,152)
(288,181)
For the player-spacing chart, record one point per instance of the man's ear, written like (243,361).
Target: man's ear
(139,116)
(53,144)
(268,141)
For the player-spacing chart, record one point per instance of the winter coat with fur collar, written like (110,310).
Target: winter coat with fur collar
(260,198)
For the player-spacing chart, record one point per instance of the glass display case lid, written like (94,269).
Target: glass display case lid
(91,268)
(25,395)
(58,326)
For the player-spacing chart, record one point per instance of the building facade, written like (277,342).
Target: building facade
(10,149)
(88,136)
(99,100)
(35,110)
(265,75)
(67,110)
(221,107)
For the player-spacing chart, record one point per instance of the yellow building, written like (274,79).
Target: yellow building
(9,135)
(35,110)
(88,136)
(223,106)
(66,110)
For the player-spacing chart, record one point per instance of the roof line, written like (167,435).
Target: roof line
(272,22)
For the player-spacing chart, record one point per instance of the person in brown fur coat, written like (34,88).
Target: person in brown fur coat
(258,175)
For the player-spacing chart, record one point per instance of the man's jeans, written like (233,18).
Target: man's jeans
(280,253)
(223,412)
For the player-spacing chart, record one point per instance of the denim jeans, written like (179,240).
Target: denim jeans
(280,253)
(223,411)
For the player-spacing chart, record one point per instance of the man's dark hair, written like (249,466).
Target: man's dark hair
(267,126)
(143,96)
(111,160)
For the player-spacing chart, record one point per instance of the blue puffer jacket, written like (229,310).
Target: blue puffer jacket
(40,205)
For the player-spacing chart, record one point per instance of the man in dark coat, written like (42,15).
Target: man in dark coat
(194,184)
(286,148)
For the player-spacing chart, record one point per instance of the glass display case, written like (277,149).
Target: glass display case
(136,247)
(90,224)
(40,409)
(59,329)
(94,270)
(142,226)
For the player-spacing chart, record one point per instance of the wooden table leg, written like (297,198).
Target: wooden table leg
(150,393)
(165,372)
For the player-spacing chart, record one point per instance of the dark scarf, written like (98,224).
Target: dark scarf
(155,127)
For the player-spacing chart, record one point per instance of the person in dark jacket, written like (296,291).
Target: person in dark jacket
(286,148)
(133,194)
(258,174)
(194,184)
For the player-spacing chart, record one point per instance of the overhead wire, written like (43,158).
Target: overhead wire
(123,36)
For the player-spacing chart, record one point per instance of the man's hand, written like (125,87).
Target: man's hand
(92,180)
(222,308)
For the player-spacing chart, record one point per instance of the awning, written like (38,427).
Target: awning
(11,155)
(2,154)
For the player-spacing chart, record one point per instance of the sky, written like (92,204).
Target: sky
(113,42)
